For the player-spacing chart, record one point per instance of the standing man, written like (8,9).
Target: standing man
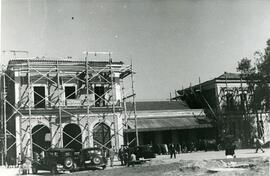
(229,146)
(132,159)
(111,155)
(125,155)
(259,144)
(121,155)
(172,150)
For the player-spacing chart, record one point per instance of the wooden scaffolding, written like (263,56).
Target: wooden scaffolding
(18,109)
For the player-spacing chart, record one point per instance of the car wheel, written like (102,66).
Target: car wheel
(74,168)
(68,163)
(97,160)
(219,147)
(34,170)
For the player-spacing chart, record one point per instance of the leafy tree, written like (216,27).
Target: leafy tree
(258,80)
(245,67)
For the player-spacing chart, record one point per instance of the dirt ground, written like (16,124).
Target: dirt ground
(198,163)
(256,166)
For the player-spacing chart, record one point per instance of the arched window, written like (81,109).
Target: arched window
(72,137)
(40,138)
(102,135)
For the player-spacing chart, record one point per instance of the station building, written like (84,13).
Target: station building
(167,122)
(49,103)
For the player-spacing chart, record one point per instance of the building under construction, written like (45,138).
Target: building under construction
(226,101)
(48,103)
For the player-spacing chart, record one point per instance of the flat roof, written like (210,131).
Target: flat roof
(60,62)
(157,105)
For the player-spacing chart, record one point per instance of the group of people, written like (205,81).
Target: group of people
(164,149)
(126,156)
(230,147)
(173,149)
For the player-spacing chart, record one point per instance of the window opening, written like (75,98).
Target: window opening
(70,92)
(39,97)
(102,135)
(99,96)
(72,137)
(39,138)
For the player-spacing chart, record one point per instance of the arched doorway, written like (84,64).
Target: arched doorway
(72,137)
(102,135)
(41,138)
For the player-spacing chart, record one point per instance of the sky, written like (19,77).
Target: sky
(171,42)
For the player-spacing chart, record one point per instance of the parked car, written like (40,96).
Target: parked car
(143,151)
(92,158)
(55,160)
(212,144)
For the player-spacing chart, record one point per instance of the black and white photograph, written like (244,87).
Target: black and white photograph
(135,87)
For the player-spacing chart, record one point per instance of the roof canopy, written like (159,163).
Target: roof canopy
(168,121)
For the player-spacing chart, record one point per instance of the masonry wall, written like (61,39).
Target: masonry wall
(21,96)
(22,124)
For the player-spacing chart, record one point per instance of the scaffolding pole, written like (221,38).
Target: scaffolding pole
(115,118)
(112,88)
(125,109)
(36,72)
(5,119)
(30,112)
(134,106)
(87,98)
(2,119)
(59,87)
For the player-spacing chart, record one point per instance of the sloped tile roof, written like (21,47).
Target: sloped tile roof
(227,75)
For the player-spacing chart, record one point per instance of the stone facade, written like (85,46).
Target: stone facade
(45,96)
